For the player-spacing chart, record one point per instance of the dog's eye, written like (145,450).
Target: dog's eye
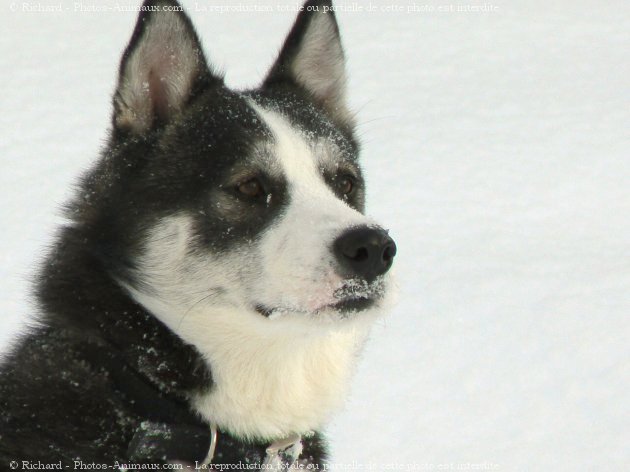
(251,188)
(345,185)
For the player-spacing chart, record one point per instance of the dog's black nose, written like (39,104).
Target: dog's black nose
(365,252)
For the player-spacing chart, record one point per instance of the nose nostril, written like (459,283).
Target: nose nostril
(388,254)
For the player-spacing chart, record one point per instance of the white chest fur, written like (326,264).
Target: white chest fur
(274,381)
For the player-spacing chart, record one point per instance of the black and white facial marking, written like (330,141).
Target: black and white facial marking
(250,240)
(318,257)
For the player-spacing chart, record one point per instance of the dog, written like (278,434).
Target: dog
(217,277)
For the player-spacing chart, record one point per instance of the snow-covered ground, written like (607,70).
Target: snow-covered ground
(497,150)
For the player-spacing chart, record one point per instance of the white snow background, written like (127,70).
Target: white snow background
(496,149)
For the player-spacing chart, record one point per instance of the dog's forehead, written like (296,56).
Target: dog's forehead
(301,152)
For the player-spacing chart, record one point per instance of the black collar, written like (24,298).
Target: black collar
(156,442)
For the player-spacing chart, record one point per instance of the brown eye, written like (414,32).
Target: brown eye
(345,185)
(251,188)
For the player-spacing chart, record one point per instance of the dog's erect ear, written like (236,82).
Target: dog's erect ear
(162,68)
(312,58)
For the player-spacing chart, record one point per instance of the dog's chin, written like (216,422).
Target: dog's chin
(343,309)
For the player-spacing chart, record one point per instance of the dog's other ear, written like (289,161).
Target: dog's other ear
(162,68)
(312,58)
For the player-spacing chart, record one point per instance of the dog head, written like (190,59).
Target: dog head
(251,201)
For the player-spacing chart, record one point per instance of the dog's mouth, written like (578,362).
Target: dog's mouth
(353,296)
(342,307)
(353,304)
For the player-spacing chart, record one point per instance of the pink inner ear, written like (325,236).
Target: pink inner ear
(163,67)
(157,94)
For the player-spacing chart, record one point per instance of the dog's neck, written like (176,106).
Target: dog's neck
(77,295)
(268,385)
(271,377)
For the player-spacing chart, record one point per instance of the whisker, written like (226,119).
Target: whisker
(213,293)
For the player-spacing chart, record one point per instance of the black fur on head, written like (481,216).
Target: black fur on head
(178,131)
